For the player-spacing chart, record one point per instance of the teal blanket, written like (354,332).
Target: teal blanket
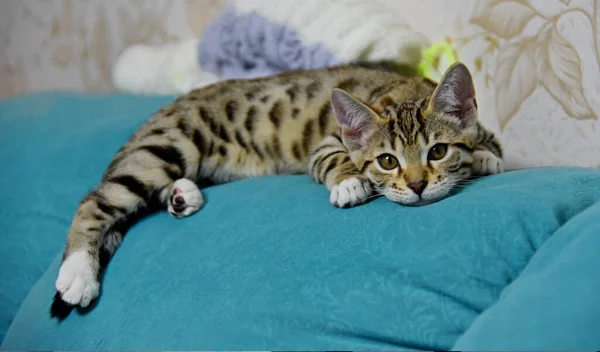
(268,264)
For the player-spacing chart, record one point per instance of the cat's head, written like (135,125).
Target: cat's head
(414,152)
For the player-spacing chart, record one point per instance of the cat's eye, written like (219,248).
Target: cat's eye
(387,161)
(438,151)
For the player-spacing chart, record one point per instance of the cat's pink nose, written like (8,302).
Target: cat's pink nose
(418,186)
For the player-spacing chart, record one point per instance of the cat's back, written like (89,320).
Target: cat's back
(299,88)
(298,95)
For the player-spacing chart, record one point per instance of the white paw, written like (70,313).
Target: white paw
(185,198)
(486,163)
(350,192)
(77,282)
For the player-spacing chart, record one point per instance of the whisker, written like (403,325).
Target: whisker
(463,183)
(374,196)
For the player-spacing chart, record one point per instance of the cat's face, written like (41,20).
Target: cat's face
(416,157)
(414,152)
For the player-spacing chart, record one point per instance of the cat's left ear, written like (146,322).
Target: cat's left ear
(357,121)
(455,95)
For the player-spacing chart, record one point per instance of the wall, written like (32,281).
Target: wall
(71,44)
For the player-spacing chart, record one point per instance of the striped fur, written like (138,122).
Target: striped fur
(249,128)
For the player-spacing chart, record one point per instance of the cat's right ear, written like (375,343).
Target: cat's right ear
(357,121)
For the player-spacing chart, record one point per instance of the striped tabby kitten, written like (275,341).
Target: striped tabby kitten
(356,130)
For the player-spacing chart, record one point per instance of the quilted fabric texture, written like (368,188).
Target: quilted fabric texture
(554,303)
(269,264)
(47,165)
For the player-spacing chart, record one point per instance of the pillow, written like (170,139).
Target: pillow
(255,38)
(554,303)
(53,149)
(269,264)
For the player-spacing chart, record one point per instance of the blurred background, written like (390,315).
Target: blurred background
(72,44)
(536,63)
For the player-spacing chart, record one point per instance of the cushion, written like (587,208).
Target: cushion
(254,38)
(269,264)
(47,166)
(554,303)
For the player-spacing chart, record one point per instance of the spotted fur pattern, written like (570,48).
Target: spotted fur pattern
(331,123)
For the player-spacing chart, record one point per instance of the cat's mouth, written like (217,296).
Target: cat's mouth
(415,200)
(420,201)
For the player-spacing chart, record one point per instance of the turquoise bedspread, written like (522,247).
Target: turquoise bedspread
(268,264)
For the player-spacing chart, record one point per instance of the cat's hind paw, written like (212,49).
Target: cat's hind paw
(77,282)
(486,163)
(350,192)
(185,198)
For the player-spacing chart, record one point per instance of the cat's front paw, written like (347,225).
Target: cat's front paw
(486,163)
(185,198)
(350,192)
(77,282)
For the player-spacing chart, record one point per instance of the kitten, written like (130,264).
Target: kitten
(354,129)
